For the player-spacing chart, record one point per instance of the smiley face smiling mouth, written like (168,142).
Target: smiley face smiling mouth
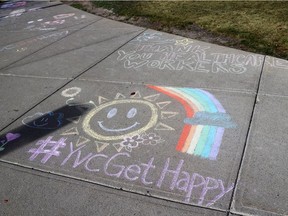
(100,123)
(36,124)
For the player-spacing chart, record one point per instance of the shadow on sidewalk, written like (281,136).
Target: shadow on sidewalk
(39,125)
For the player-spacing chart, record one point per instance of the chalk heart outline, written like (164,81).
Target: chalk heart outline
(12,136)
(9,137)
(29,121)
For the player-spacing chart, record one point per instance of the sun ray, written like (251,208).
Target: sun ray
(71,131)
(118,147)
(81,141)
(163,104)
(102,99)
(75,119)
(119,96)
(162,126)
(168,114)
(136,95)
(100,146)
(152,98)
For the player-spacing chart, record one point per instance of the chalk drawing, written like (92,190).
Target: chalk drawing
(205,123)
(162,127)
(118,147)
(134,128)
(49,120)
(19,12)
(149,36)
(153,51)
(81,141)
(34,9)
(48,148)
(102,100)
(136,95)
(63,16)
(51,23)
(100,123)
(125,112)
(167,114)
(214,119)
(71,92)
(74,119)
(152,38)
(168,174)
(131,142)
(22,49)
(118,121)
(101,146)
(71,131)
(277,63)
(15,13)
(24,45)
(8,138)
(39,20)
(163,104)
(8,5)
(136,121)
(82,107)
(184,42)
(151,139)
(131,113)
(73,102)
(43,26)
(79,17)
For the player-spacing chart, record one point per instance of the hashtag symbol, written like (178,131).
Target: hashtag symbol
(47,147)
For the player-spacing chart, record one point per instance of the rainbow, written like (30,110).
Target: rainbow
(205,122)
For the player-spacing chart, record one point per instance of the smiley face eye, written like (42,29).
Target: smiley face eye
(131,113)
(112,113)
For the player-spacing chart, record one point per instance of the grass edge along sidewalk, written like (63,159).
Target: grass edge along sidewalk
(260,27)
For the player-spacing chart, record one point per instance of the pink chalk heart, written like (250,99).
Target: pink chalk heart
(11,136)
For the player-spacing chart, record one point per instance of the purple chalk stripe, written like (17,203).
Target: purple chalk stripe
(217,143)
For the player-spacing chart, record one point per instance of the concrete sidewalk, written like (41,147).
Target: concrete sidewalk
(104,118)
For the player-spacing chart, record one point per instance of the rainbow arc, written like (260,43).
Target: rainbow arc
(205,121)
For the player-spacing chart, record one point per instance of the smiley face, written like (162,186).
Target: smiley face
(121,118)
(130,114)
(48,120)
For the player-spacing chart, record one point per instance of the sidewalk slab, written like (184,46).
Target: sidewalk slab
(77,51)
(17,51)
(159,58)
(275,77)
(261,189)
(150,147)
(28,192)
(39,22)
(18,94)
